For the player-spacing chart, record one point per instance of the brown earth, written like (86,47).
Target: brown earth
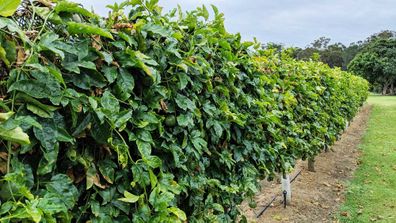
(316,196)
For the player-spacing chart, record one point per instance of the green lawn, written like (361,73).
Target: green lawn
(371,195)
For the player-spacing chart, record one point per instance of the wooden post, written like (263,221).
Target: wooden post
(287,187)
(311,164)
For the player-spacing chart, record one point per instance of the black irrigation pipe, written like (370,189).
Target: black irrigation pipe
(298,174)
(273,199)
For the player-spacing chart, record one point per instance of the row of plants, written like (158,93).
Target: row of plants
(151,117)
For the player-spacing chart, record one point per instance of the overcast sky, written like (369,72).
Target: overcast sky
(292,22)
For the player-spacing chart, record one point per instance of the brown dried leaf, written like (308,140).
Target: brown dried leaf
(122,26)
(21,56)
(97,42)
(164,107)
(3,167)
(45,3)
(96,181)
(114,63)
(3,155)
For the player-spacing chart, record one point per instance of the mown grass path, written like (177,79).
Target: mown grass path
(371,195)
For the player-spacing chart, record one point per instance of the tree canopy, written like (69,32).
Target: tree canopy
(377,63)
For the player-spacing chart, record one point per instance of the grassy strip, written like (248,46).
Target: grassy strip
(371,195)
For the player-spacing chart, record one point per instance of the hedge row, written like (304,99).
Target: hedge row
(146,117)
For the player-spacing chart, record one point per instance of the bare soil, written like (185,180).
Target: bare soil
(316,196)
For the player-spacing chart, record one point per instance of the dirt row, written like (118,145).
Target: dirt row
(316,196)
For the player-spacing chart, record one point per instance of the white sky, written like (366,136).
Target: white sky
(292,22)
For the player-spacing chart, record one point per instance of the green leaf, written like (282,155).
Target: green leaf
(71,7)
(122,118)
(156,29)
(49,70)
(106,168)
(6,116)
(34,213)
(13,27)
(57,74)
(179,213)
(15,135)
(33,88)
(129,198)
(45,12)
(83,125)
(200,144)
(160,200)
(153,161)
(153,178)
(43,110)
(144,148)
(110,73)
(184,102)
(110,103)
(47,43)
(10,49)
(141,61)
(144,136)
(126,81)
(218,207)
(28,120)
(183,80)
(38,111)
(91,177)
(3,56)
(8,7)
(185,120)
(82,28)
(62,187)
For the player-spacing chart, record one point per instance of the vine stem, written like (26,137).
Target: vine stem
(33,15)
(31,54)
(9,150)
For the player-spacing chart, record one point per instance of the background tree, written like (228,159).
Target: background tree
(377,63)
(330,54)
(337,54)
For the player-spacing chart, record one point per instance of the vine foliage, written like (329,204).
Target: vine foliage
(151,117)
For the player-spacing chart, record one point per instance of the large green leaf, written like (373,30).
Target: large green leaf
(71,7)
(82,28)
(61,186)
(8,7)
(33,88)
(15,135)
(47,43)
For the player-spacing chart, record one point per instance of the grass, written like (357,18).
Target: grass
(371,195)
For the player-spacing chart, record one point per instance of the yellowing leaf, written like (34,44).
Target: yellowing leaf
(5,116)
(129,198)
(3,56)
(8,7)
(179,213)
(14,135)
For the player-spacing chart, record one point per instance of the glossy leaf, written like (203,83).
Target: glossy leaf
(129,198)
(80,28)
(8,7)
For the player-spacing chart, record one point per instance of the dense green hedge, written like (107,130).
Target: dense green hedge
(152,118)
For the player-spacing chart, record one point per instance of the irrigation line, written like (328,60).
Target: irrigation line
(267,206)
(273,199)
(298,174)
